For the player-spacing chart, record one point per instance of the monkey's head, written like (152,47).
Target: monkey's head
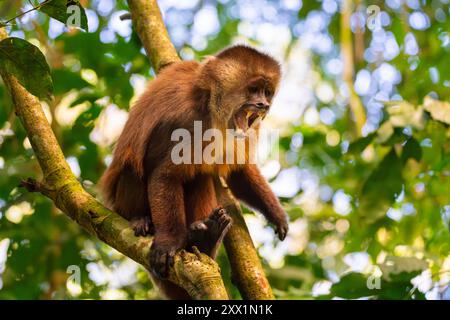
(240,83)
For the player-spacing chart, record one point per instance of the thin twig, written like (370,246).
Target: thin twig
(125,16)
(28,11)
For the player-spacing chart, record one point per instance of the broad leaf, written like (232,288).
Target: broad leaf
(65,80)
(27,63)
(381,188)
(407,267)
(86,97)
(359,145)
(351,286)
(412,149)
(69,12)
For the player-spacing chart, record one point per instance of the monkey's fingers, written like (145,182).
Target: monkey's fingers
(170,259)
(142,226)
(225,221)
(159,265)
(196,252)
(217,213)
(161,259)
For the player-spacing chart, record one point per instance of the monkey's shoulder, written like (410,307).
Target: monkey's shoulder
(172,90)
(182,71)
(180,66)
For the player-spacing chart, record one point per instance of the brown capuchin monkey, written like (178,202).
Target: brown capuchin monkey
(174,201)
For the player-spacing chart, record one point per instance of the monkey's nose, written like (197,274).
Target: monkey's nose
(262,105)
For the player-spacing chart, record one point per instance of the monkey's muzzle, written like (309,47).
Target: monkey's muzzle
(248,116)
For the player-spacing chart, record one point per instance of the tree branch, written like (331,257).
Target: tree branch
(40,5)
(356,106)
(153,33)
(196,273)
(248,273)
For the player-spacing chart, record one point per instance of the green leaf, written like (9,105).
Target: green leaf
(307,7)
(433,145)
(351,286)
(402,268)
(86,96)
(86,120)
(381,188)
(359,145)
(396,137)
(398,28)
(66,80)
(412,150)
(439,110)
(27,63)
(69,12)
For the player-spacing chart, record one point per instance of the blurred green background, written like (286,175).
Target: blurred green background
(369,200)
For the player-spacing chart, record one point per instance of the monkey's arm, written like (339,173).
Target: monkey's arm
(166,200)
(248,185)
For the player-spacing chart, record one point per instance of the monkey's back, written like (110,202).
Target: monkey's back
(167,103)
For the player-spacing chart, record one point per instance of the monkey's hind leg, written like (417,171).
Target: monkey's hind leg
(142,225)
(207,235)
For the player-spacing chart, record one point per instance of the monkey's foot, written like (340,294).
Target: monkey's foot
(207,235)
(162,257)
(142,226)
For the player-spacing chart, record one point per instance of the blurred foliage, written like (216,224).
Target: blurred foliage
(376,221)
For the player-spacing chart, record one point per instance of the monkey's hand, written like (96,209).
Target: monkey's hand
(142,226)
(162,255)
(281,227)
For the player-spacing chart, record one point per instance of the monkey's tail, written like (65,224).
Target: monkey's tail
(108,184)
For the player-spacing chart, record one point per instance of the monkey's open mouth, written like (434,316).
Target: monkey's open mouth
(246,117)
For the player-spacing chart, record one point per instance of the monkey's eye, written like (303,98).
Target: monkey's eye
(268,93)
(253,89)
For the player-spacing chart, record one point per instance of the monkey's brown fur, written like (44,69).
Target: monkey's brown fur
(143,182)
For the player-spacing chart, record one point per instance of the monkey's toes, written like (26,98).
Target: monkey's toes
(218,213)
(219,223)
(161,259)
(142,226)
(197,226)
(160,264)
(225,221)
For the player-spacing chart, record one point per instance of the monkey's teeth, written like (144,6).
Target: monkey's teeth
(241,123)
(257,121)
